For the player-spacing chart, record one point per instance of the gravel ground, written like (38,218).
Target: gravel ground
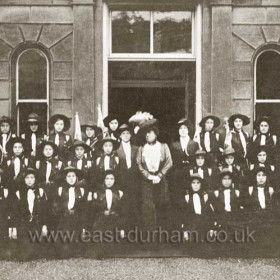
(167,268)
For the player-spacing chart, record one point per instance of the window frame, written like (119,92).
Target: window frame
(197,58)
(256,100)
(24,101)
(151,55)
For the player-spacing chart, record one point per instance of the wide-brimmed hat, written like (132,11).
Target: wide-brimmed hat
(245,119)
(33,118)
(124,127)
(110,118)
(228,151)
(225,171)
(99,144)
(44,143)
(28,171)
(184,121)
(15,140)
(5,119)
(260,120)
(215,119)
(200,153)
(258,169)
(145,126)
(196,176)
(93,125)
(53,119)
(79,173)
(78,143)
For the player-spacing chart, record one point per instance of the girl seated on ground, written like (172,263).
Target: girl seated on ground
(107,209)
(198,213)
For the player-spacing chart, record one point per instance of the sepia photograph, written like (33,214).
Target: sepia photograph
(139,139)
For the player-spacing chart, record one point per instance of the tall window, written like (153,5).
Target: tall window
(267,86)
(32,86)
(150,64)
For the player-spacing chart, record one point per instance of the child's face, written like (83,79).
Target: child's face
(107,148)
(30,180)
(229,159)
(79,151)
(261,178)
(109,180)
(196,185)
(226,181)
(5,128)
(90,132)
(151,136)
(264,127)
(125,136)
(71,178)
(238,123)
(48,151)
(200,160)
(183,131)
(262,156)
(34,127)
(209,124)
(59,125)
(18,149)
(113,124)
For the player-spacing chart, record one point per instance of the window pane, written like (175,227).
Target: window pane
(172,32)
(32,67)
(130,32)
(268,76)
(39,108)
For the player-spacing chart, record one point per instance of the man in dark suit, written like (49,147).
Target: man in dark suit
(129,172)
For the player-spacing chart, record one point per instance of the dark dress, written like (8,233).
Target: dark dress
(73,218)
(115,217)
(31,220)
(192,220)
(5,210)
(179,175)
(65,142)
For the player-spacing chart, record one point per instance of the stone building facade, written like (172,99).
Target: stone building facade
(223,61)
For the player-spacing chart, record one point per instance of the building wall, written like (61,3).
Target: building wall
(239,29)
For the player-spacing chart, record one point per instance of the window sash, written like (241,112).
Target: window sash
(114,56)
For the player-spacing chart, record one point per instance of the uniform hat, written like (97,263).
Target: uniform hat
(258,169)
(33,118)
(260,120)
(28,171)
(228,151)
(44,143)
(200,153)
(5,119)
(15,140)
(53,119)
(124,127)
(110,118)
(109,172)
(214,118)
(99,144)
(78,143)
(196,176)
(245,119)
(79,173)
(225,171)
(93,125)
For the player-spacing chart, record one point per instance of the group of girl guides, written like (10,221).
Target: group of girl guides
(125,176)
